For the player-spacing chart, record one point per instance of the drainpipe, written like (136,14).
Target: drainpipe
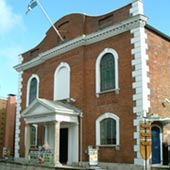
(81,148)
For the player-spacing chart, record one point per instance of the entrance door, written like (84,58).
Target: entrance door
(156,156)
(63,145)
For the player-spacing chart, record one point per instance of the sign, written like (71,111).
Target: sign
(145,139)
(5,153)
(145,149)
(145,126)
(93,157)
(41,157)
(145,135)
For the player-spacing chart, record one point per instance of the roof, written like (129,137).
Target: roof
(43,110)
(156,31)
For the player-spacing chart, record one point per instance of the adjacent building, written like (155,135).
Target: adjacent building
(106,86)
(3,104)
(7,124)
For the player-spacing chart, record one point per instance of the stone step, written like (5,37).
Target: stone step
(160,167)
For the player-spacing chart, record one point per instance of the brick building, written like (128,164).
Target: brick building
(95,88)
(7,123)
(3,104)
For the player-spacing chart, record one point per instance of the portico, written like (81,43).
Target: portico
(54,116)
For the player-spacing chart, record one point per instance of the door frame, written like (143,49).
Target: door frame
(161,154)
(73,142)
(63,142)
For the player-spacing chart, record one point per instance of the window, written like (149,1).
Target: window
(107,130)
(32,89)
(33,135)
(62,82)
(107,71)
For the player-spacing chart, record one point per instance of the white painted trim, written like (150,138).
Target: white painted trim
(65,65)
(99,119)
(73,143)
(140,75)
(18,110)
(141,83)
(36,133)
(126,25)
(28,87)
(137,7)
(115,56)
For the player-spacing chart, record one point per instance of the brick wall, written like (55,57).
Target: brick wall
(3,103)
(159,64)
(10,123)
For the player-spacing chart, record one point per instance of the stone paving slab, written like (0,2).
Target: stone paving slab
(13,165)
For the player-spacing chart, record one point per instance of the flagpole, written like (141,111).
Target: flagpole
(48,18)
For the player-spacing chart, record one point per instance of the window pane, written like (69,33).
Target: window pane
(107,72)
(33,135)
(33,90)
(108,131)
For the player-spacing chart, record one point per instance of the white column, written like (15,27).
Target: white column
(57,143)
(28,140)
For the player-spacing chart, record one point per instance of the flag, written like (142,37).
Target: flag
(31,5)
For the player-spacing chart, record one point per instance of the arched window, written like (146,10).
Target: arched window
(33,135)
(32,89)
(62,82)
(107,71)
(107,130)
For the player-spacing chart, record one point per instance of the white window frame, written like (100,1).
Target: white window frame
(63,64)
(36,133)
(28,87)
(102,117)
(98,79)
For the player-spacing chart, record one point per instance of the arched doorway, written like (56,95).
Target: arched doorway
(156,146)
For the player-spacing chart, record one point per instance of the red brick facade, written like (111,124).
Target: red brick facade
(3,103)
(159,72)
(9,137)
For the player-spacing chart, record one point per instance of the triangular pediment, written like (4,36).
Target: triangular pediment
(42,107)
(37,107)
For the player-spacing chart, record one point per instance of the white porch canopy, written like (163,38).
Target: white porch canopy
(156,117)
(43,110)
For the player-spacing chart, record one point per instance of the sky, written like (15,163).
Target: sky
(20,32)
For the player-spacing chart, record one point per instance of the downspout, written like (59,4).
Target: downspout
(81,114)
(81,137)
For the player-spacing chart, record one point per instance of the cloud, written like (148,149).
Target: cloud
(8,75)
(8,18)
(9,56)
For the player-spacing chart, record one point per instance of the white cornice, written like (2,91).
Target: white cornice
(133,22)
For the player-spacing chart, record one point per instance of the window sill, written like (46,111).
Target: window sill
(109,146)
(108,91)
